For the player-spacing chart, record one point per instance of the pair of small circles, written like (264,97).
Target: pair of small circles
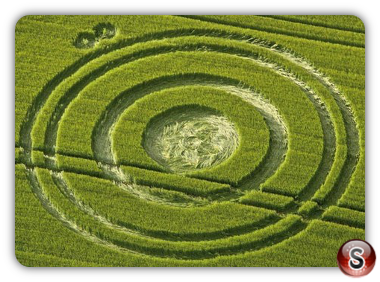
(86,40)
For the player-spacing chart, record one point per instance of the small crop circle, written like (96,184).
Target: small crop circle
(85,40)
(189,138)
(104,31)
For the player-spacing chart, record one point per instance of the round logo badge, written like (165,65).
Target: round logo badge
(356,258)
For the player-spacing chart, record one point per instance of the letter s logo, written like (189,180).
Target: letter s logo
(356,261)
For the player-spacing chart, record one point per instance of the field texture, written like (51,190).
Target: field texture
(188,140)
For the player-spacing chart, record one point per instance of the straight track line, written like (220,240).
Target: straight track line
(300,21)
(273,31)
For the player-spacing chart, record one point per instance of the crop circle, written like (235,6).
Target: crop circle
(104,31)
(187,139)
(85,40)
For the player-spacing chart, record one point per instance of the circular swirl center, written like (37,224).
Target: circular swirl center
(187,138)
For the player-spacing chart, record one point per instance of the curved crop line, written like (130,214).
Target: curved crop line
(37,191)
(188,255)
(353,148)
(167,236)
(329,141)
(26,141)
(352,132)
(273,238)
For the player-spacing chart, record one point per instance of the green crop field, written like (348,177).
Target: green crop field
(188,140)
